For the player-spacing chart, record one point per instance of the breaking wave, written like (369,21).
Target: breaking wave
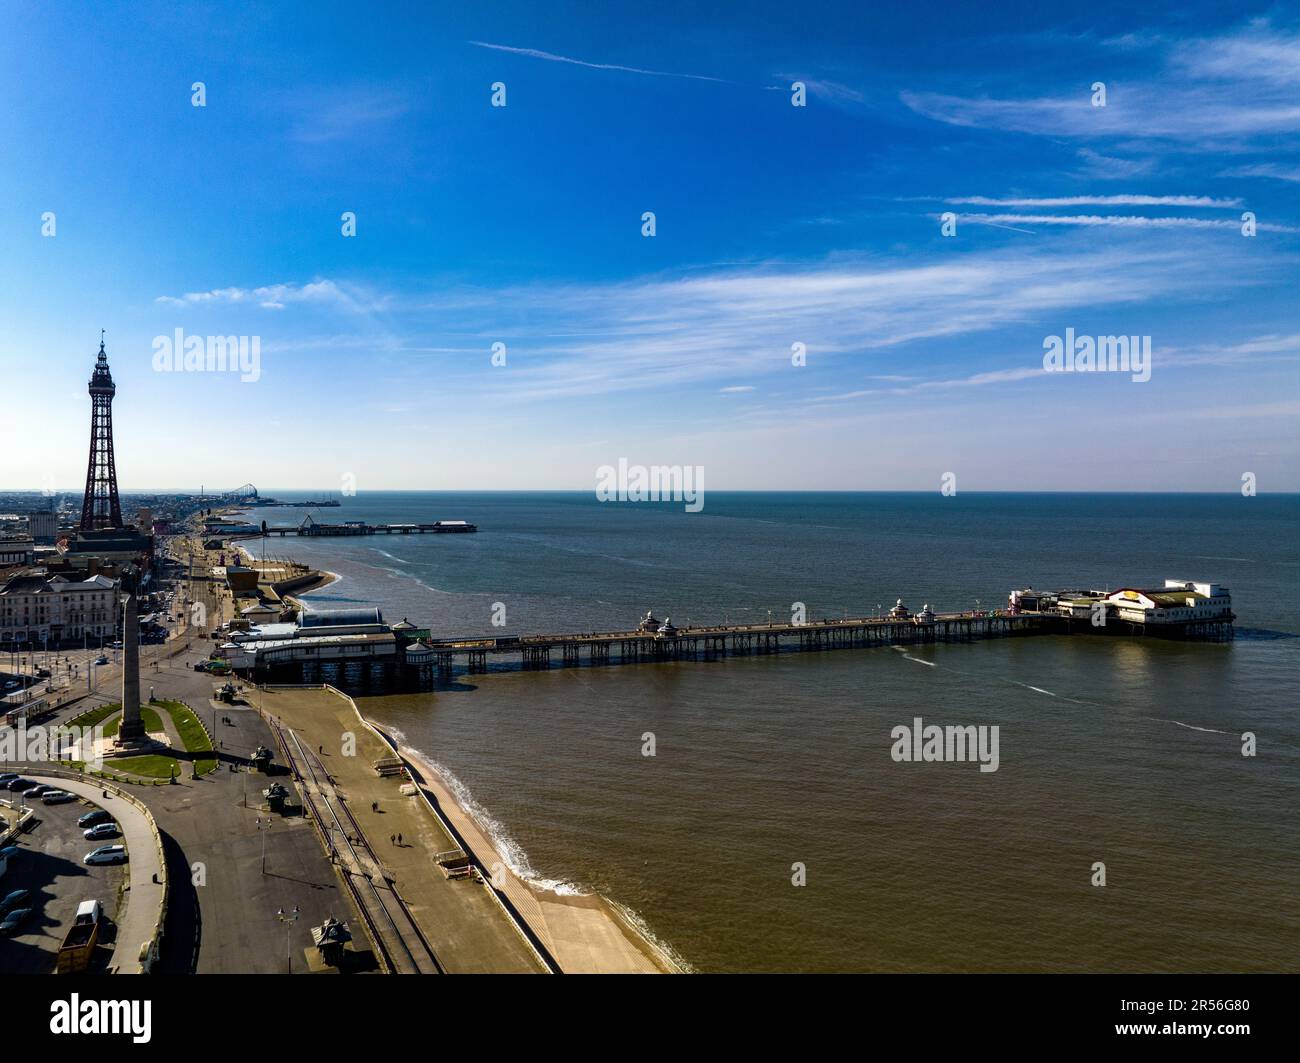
(506,846)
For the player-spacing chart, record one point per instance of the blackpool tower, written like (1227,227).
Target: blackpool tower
(100,507)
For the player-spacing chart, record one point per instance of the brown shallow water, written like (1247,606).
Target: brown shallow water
(764,763)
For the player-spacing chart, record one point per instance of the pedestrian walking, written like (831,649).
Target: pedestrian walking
(399,840)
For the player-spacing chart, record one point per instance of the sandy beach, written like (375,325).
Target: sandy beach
(574,934)
(583,932)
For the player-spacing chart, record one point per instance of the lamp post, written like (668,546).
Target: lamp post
(264,828)
(288,919)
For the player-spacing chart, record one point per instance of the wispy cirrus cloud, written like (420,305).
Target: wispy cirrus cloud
(1276,171)
(551,57)
(1099,201)
(335,114)
(823,88)
(1223,90)
(1273,347)
(568,340)
(268,297)
(1123,221)
(974,380)
(1113,167)
(710,329)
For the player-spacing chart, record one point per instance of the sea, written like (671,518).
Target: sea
(748,814)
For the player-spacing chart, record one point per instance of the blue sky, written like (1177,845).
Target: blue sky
(776,225)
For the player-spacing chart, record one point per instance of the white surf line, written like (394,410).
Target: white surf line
(1190,727)
(996,678)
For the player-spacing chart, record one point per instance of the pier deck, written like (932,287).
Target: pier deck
(317,531)
(535,651)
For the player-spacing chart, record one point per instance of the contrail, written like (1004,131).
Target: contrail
(534,53)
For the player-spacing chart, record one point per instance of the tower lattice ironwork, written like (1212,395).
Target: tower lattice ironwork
(100,508)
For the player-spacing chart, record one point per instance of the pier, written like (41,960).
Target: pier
(355,649)
(314,529)
(732,640)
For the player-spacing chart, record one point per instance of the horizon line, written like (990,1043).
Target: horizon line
(334,495)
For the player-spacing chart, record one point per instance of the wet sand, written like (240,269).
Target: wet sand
(581,934)
(584,933)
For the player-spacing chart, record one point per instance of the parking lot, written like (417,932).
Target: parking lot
(48,863)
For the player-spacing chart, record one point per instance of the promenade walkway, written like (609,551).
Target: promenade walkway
(463,924)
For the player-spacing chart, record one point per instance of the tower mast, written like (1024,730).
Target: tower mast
(100,507)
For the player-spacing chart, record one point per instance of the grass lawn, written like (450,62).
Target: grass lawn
(193,736)
(150,767)
(155,766)
(94,716)
(152,722)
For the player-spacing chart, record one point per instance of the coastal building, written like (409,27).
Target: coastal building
(1178,602)
(38,609)
(1179,609)
(16,550)
(355,620)
(119,545)
(333,645)
(43,526)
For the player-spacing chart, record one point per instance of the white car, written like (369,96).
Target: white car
(106,854)
(57,797)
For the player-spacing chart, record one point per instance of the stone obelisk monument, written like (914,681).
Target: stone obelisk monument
(132,728)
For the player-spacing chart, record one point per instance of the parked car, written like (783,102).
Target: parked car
(7,777)
(21,786)
(14,900)
(14,920)
(9,852)
(101,831)
(99,815)
(106,854)
(57,797)
(40,791)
